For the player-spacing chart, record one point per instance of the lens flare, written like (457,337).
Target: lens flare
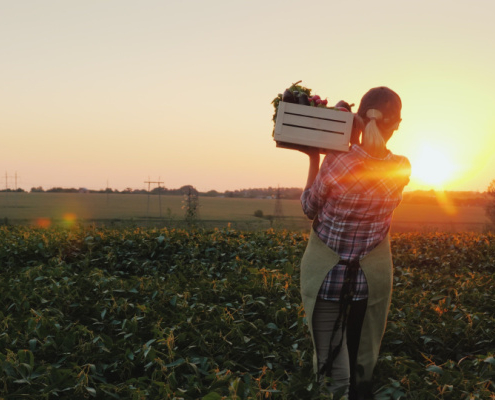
(446,203)
(69,219)
(43,222)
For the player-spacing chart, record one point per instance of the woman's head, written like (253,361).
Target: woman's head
(379,112)
(384,100)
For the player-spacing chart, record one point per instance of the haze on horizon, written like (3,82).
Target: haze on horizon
(114,93)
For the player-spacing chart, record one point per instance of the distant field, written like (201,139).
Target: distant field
(115,208)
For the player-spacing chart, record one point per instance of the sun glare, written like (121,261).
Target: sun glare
(432,166)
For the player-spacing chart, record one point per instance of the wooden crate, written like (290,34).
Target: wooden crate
(319,127)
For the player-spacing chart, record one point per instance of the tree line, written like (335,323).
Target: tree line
(430,197)
(270,192)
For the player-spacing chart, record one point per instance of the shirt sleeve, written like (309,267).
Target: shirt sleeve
(404,171)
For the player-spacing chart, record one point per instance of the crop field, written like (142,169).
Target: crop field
(135,313)
(141,210)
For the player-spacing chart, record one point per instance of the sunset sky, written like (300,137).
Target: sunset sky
(113,92)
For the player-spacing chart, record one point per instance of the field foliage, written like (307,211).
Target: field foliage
(216,314)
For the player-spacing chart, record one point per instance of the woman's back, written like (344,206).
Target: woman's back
(353,198)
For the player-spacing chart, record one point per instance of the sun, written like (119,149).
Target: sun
(432,166)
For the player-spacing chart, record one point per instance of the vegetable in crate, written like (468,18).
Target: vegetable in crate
(303,99)
(344,106)
(296,94)
(288,96)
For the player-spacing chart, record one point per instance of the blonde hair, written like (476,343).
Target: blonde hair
(372,135)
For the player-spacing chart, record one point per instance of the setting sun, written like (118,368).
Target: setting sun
(432,166)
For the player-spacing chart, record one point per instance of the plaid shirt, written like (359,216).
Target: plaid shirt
(352,201)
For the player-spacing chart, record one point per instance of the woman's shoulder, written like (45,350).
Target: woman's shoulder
(337,161)
(402,163)
(402,168)
(400,159)
(357,158)
(336,155)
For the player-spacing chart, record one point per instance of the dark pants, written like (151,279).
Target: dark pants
(343,371)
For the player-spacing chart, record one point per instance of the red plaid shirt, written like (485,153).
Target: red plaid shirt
(352,201)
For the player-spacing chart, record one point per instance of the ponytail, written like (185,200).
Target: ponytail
(379,112)
(372,136)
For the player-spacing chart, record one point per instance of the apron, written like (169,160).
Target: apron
(317,261)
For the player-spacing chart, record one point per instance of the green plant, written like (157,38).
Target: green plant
(490,207)
(216,314)
(191,207)
(258,213)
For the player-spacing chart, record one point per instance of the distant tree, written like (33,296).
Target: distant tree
(62,190)
(38,189)
(8,190)
(188,189)
(159,190)
(490,206)
(211,193)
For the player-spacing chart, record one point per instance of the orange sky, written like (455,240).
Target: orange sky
(96,93)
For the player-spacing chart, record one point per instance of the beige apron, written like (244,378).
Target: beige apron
(317,261)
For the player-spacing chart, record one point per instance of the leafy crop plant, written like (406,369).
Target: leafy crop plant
(216,314)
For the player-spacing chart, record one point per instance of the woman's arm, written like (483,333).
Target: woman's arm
(309,200)
(314,165)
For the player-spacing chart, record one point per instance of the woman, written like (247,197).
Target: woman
(346,270)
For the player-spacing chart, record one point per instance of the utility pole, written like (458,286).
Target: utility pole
(149,182)
(7,181)
(6,184)
(107,192)
(148,203)
(278,213)
(159,197)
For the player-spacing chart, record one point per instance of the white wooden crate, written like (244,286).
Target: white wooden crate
(313,126)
